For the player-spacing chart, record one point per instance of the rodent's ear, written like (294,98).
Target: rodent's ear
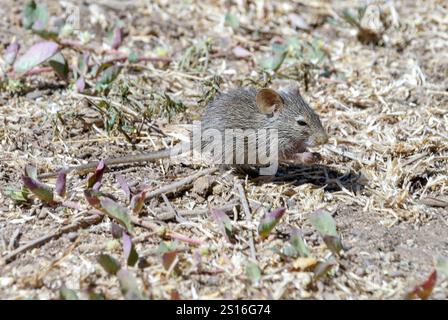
(269,101)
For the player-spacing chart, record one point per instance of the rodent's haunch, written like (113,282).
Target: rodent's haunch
(297,124)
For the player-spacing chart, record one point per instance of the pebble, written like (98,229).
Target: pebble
(72,236)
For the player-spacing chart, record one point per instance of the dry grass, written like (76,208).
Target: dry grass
(384,174)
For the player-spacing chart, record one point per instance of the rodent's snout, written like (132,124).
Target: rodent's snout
(319,139)
(322,138)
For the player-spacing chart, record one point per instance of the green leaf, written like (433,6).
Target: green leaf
(109,264)
(133,57)
(269,221)
(59,65)
(67,294)
(253,272)
(92,295)
(35,16)
(232,20)
(273,63)
(83,63)
(40,190)
(19,195)
(326,226)
(298,243)
(442,265)
(324,223)
(109,74)
(36,55)
(128,285)
(119,213)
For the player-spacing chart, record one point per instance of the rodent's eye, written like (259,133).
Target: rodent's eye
(301,123)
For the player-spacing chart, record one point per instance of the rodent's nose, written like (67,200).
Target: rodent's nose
(322,139)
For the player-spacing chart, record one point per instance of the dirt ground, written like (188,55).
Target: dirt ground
(382,94)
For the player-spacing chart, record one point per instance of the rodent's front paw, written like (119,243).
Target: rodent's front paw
(307,157)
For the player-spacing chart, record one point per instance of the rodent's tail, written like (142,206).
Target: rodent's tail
(83,168)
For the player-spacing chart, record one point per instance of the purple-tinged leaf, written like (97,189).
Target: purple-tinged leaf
(124,186)
(40,190)
(169,255)
(19,195)
(11,53)
(137,202)
(36,55)
(298,243)
(67,294)
(224,224)
(253,272)
(97,186)
(93,197)
(326,226)
(109,264)
(128,285)
(269,221)
(116,230)
(35,16)
(322,268)
(116,38)
(59,65)
(61,182)
(31,171)
(80,84)
(97,175)
(130,254)
(117,212)
(424,290)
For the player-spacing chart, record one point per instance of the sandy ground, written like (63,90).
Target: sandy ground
(383,175)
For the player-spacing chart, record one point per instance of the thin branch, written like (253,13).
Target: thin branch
(248,218)
(179,184)
(82,223)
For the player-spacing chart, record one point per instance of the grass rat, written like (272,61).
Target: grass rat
(297,124)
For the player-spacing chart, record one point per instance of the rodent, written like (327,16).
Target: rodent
(285,110)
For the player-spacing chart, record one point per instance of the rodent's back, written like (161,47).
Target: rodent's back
(235,109)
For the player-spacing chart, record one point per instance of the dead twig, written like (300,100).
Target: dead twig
(162,214)
(179,184)
(82,223)
(248,218)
